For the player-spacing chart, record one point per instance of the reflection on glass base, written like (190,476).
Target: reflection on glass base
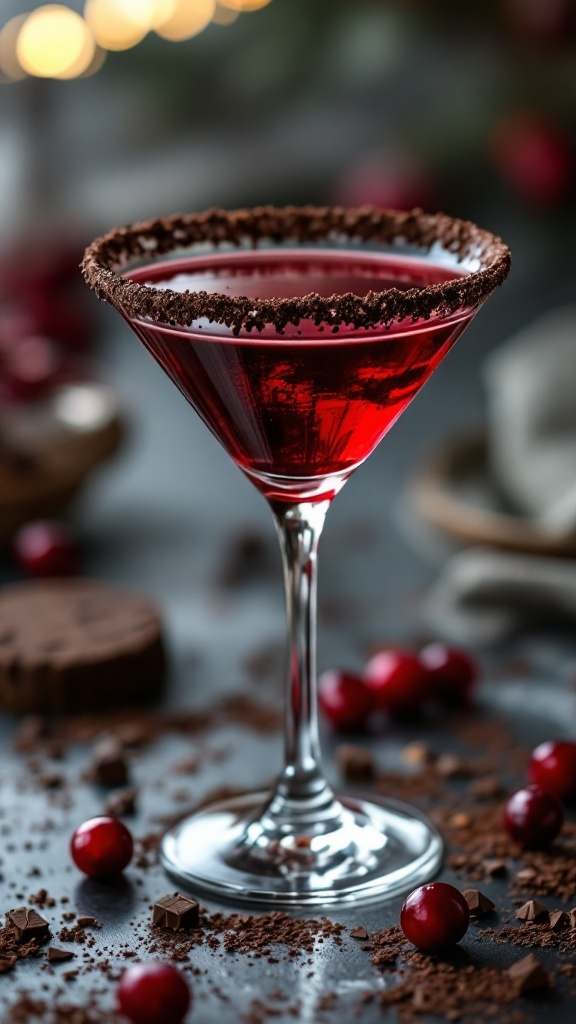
(380,850)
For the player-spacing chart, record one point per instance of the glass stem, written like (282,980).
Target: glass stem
(303,802)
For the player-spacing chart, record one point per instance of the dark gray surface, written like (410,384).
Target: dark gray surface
(162,519)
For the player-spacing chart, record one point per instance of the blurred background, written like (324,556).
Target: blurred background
(115,110)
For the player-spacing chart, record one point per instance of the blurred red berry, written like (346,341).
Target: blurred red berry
(542,20)
(434,916)
(451,672)
(153,993)
(30,366)
(47,548)
(397,681)
(345,700)
(382,181)
(533,817)
(553,767)
(101,847)
(534,158)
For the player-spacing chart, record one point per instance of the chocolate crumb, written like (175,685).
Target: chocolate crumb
(122,803)
(109,766)
(355,763)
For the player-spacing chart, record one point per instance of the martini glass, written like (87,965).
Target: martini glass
(299,336)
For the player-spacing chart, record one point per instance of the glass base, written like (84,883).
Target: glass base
(378,850)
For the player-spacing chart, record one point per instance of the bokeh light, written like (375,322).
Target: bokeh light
(119,24)
(9,64)
(225,15)
(188,19)
(244,5)
(54,42)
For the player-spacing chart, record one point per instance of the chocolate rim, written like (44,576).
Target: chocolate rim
(105,258)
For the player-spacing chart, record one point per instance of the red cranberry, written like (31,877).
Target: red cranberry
(533,817)
(451,672)
(397,680)
(101,847)
(534,158)
(345,700)
(553,766)
(31,367)
(47,548)
(434,916)
(153,993)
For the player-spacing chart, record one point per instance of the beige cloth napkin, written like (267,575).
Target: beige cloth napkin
(482,594)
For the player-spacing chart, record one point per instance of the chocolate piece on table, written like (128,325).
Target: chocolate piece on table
(355,763)
(122,803)
(359,933)
(479,905)
(528,975)
(533,912)
(176,912)
(87,921)
(109,766)
(572,919)
(495,867)
(58,956)
(559,921)
(28,924)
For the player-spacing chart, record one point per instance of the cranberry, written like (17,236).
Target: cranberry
(533,817)
(47,548)
(451,672)
(153,993)
(345,700)
(31,367)
(397,681)
(101,847)
(534,158)
(434,916)
(553,766)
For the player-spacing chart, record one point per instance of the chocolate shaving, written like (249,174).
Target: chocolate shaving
(58,956)
(107,257)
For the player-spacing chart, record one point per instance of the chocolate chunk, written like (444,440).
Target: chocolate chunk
(494,867)
(572,919)
(177,912)
(359,933)
(87,922)
(449,766)
(525,875)
(27,924)
(58,956)
(355,763)
(559,921)
(488,788)
(109,766)
(122,803)
(528,975)
(478,904)
(532,911)
(6,964)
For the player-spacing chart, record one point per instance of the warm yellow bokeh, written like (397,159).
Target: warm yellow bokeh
(9,64)
(244,5)
(189,18)
(162,11)
(54,42)
(119,24)
(225,15)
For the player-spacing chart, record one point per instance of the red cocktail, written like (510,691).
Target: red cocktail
(300,336)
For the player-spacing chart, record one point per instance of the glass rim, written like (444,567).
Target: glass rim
(108,257)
